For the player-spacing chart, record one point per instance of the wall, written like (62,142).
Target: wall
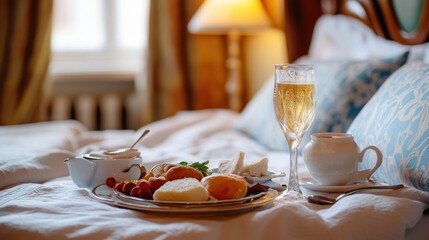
(260,53)
(263,50)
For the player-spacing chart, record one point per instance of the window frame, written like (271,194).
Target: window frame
(111,58)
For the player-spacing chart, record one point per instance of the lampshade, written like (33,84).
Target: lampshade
(223,16)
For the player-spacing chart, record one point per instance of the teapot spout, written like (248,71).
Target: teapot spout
(81,171)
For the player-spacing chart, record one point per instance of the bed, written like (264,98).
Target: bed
(390,99)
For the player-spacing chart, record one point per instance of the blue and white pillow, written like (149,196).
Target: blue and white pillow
(396,120)
(342,89)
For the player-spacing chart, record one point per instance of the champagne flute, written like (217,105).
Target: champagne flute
(294,105)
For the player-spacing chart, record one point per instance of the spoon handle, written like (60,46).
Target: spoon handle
(369,187)
(322,200)
(143,134)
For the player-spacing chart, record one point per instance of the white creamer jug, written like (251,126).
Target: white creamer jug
(93,169)
(333,158)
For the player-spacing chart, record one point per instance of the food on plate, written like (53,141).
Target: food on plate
(159,170)
(185,189)
(238,166)
(233,166)
(186,182)
(179,171)
(128,186)
(156,182)
(225,186)
(119,187)
(256,188)
(200,166)
(135,191)
(257,168)
(145,194)
(111,182)
(136,188)
(162,168)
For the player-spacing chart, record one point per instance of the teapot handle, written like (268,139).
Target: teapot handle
(367,173)
(140,166)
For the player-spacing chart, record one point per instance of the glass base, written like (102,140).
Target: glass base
(291,196)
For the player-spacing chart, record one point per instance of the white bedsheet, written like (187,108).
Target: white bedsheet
(41,202)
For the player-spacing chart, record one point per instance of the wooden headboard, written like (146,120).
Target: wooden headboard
(405,22)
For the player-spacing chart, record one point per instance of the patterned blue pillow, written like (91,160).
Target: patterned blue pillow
(342,89)
(396,120)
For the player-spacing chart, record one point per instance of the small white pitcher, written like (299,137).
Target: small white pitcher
(93,169)
(333,158)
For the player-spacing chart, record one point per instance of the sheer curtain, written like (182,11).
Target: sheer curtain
(25,30)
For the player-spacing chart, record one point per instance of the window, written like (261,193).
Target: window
(98,35)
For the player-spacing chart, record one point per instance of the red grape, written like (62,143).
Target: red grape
(135,191)
(156,182)
(146,194)
(111,182)
(119,187)
(144,184)
(128,186)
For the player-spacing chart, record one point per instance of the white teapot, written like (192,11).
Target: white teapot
(93,169)
(333,158)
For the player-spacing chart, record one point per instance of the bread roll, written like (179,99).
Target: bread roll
(159,170)
(185,189)
(225,186)
(234,166)
(179,172)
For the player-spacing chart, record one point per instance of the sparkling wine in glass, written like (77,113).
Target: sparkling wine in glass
(294,105)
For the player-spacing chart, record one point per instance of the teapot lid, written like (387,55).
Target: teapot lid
(107,155)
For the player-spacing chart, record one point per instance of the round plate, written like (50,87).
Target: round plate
(106,195)
(311,184)
(127,198)
(262,179)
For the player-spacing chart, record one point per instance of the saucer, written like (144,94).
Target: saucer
(311,184)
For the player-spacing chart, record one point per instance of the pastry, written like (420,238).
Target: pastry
(225,186)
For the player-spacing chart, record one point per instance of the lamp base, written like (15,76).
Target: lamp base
(234,84)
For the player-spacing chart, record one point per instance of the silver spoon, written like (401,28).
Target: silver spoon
(318,199)
(126,150)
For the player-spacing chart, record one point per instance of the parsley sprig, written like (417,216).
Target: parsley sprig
(201,166)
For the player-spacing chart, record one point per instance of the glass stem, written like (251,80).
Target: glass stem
(293,185)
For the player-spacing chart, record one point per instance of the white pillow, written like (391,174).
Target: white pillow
(342,88)
(342,37)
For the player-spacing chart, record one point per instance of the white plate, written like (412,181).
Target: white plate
(271,175)
(311,184)
(216,203)
(106,195)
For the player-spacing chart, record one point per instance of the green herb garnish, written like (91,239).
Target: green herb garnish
(202,167)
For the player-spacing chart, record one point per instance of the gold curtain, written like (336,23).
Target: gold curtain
(25,32)
(186,71)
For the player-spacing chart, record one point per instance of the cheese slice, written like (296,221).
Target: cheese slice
(257,168)
(185,189)
(233,166)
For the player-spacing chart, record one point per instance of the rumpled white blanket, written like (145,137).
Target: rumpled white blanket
(39,203)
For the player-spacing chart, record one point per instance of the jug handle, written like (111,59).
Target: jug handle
(140,166)
(367,173)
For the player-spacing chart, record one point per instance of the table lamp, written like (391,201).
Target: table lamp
(232,18)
